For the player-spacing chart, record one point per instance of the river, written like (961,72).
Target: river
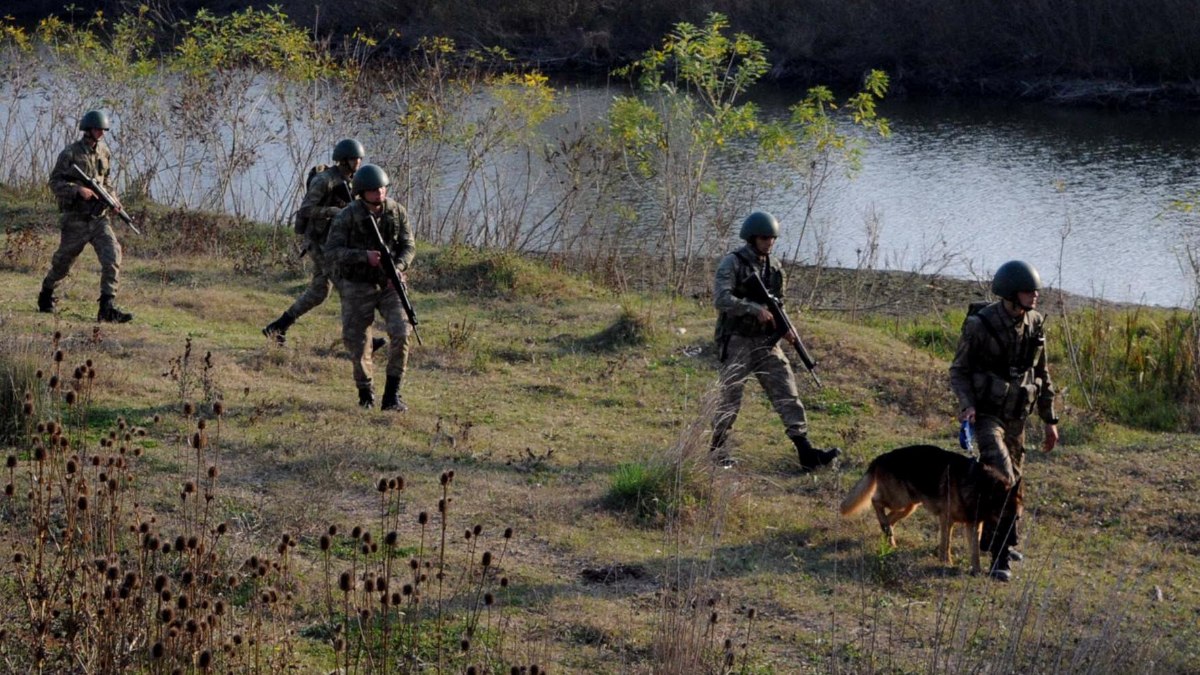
(958,188)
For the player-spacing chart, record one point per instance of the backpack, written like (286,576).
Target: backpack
(299,222)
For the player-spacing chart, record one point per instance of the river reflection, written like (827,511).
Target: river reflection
(960,187)
(997,180)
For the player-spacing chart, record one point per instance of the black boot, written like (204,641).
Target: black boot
(810,457)
(391,395)
(366,396)
(278,328)
(1000,570)
(110,313)
(47,301)
(719,453)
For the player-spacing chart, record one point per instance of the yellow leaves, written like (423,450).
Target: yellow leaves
(13,35)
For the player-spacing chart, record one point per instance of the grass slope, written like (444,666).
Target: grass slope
(536,394)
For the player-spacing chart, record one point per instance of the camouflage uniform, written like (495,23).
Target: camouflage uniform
(746,346)
(328,193)
(999,369)
(83,221)
(365,289)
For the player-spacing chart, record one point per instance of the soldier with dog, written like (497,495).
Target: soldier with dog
(999,376)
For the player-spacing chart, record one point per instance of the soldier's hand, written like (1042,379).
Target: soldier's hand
(373,258)
(1051,439)
(403,276)
(86,193)
(967,415)
(765,316)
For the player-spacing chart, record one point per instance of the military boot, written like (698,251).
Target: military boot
(718,452)
(278,328)
(366,396)
(47,301)
(810,457)
(391,395)
(110,313)
(1000,569)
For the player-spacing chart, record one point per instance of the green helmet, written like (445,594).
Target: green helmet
(348,148)
(93,119)
(759,224)
(370,177)
(1013,277)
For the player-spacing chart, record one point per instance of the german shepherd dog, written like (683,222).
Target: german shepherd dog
(954,487)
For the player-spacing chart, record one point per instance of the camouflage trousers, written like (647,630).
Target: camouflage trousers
(756,356)
(77,232)
(1001,446)
(359,304)
(318,288)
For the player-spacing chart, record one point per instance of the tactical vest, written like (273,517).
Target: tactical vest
(1003,380)
(360,236)
(749,326)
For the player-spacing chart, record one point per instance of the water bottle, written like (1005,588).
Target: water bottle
(966,436)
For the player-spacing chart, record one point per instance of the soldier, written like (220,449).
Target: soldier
(352,249)
(999,375)
(328,192)
(85,217)
(744,341)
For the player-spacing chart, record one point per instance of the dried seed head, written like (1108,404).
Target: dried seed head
(58,355)
(70,398)
(333,530)
(508,533)
(346,582)
(188,409)
(382,485)
(326,542)
(391,538)
(489,599)
(202,424)
(219,408)
(11,462)
(422,518)
(356,533)
(487,559)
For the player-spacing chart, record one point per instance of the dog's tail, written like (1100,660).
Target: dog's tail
(863,490)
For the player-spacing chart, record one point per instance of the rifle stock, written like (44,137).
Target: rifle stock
(105,197)
(784,325)
(389,266)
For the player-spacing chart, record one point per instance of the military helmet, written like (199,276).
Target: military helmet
(759,224)
(1013,277)
(93,119)
(348,148)
(370,177)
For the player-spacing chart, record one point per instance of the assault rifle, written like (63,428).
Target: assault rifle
(389,266)
(94,186)
(783,325)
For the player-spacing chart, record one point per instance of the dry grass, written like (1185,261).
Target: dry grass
(534,418)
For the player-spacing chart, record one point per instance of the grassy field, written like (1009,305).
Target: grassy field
(547,394)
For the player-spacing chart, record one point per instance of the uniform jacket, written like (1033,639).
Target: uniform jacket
(737,314)
(999,367)
(350,237)
(328,192)
(64,182)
